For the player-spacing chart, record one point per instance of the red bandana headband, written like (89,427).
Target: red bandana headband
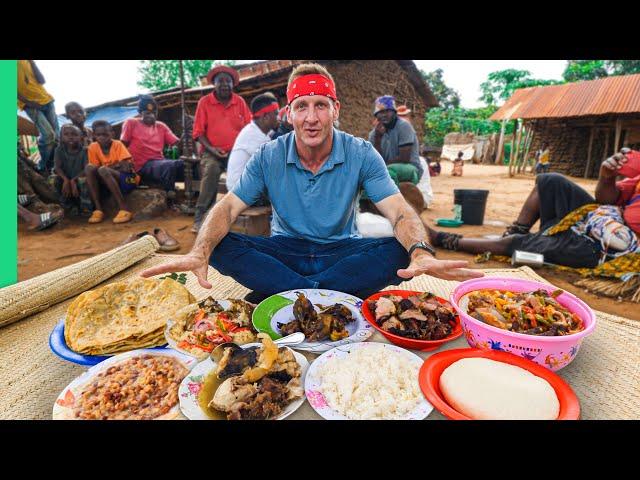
(312,84)
(264,110)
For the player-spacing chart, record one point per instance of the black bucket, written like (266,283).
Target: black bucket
(473,204)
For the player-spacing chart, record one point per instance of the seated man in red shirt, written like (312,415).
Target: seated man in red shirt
(220,116)
(553,197)
(146,137)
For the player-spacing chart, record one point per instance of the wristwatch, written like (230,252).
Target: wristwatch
(424,246)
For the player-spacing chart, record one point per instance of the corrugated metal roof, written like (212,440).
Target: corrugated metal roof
(619,94)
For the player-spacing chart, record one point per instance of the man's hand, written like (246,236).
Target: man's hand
(424,263)
(379,129)
(183,263)
(74,188)
(610,167)
(66,188)
(219,152)
(124,166)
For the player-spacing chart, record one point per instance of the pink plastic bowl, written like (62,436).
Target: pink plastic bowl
(551,352)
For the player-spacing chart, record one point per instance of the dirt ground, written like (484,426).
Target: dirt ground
(74,240)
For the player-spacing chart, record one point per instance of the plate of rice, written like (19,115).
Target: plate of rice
(366,381)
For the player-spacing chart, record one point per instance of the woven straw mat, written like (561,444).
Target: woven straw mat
(604,374)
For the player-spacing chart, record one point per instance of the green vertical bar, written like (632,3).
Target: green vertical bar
(9,178)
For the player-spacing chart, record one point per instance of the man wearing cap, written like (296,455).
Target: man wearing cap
(146,137)
(264,108)
(404,113)
(219,118)
(313,177)
(397,142)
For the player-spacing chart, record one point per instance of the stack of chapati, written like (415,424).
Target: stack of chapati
(123,316)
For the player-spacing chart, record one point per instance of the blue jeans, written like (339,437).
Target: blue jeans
(268,265)
(46,122)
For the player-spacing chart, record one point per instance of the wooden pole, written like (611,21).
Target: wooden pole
(515,153)
(513,139)
(500,143)
(616,145)
(184,110)
(527,144)
(586,170)
(605,151)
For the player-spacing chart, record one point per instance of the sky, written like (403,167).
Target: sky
(92,82)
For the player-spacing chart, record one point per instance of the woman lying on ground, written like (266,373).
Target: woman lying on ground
(596,233)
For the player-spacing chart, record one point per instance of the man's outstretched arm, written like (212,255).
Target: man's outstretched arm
(214,228)
(409,230)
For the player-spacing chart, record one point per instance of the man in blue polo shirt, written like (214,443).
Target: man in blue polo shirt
(313,177)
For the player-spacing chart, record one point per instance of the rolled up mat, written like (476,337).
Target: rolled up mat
(39,293)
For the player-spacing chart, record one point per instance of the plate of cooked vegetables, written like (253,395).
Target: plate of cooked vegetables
(199,327)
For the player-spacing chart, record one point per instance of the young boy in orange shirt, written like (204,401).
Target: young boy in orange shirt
(110,164)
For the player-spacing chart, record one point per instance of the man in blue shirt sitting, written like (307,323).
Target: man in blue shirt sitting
(313,177)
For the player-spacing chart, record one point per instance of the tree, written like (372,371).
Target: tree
(163,74)
(584,70)
(500,85)
(591,69)
(440,121)
(623,67)
(447,97)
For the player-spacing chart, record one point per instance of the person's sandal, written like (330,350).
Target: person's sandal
(123,217)
(96,217)
(448,241)
(516,229)
(166,241)
(47,220)
(25,200)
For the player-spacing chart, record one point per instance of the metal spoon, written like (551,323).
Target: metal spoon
(293,339)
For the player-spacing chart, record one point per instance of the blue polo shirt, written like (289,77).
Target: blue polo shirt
(321,207)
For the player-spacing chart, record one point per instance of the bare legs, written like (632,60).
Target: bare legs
(474,245)
(109,178)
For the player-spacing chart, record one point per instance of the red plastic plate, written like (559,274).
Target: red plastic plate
(424,345)
(432,368)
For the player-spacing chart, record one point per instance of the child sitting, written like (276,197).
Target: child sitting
(110,164)
(69,181)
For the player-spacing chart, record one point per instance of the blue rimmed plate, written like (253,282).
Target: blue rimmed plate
(59,346)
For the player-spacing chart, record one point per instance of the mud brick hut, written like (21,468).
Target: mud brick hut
(584,122)
(358,83)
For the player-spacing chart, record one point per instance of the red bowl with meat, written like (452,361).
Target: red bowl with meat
(431,304)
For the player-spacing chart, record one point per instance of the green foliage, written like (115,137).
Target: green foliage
(163,74)
(584,70)
(182,278)
(500,85)
(591,69)
(447,97)
(440,121)
(623,67)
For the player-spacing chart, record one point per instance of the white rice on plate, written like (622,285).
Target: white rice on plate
(371,383)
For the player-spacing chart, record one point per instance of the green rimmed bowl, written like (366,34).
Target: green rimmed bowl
(278,308)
